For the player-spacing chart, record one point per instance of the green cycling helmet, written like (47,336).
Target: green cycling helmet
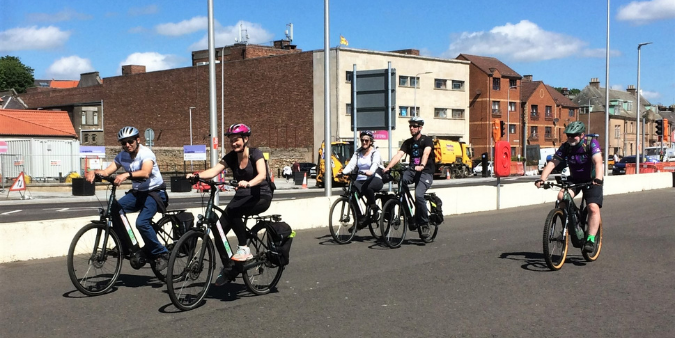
(576,127)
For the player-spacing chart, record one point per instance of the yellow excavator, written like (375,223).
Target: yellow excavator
(342,152)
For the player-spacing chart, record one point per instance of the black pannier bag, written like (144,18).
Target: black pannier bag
(436,212)
(280,237)
(185,222)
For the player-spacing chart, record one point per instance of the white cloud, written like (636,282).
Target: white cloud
(650,95)
(64,15)
(69,68)
(643,12)
(618,87)
(27,38)
(152,61)
(184,27)
(524,41)
(147,10)
(226,35)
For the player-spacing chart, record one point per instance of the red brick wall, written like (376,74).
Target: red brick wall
(543,98)
(480,109)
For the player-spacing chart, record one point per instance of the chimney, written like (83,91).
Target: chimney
(595,83)
(566,92)
(527,78)
(89,79)
(631,89)
(132,69)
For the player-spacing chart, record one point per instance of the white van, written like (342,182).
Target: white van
(543,154)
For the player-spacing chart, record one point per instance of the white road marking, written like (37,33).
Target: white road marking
(10,212)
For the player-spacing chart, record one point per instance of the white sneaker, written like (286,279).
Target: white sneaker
(243,254)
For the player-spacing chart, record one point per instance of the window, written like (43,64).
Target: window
(440,84)
(441,113)
(96,118)
(403,81)
(547,132)
(631,127)
(86,138)
(414,81)
(512,128)
(495,108)
(93,138)
(617,131)
(84,117)
(496,83)
(405,111)
(533,132)
(458,113)
(534,110)
(513,83)
(571,114)
(457,85)
(512,106)
(549,111)
(629,105)
(349,109)
(348,76)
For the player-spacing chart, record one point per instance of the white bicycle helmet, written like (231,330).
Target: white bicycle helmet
(127,132)
(416,120)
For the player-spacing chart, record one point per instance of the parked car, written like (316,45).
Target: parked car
(478,169)
(620,168)
(306,166)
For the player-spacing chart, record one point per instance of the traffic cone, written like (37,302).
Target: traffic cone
(447,174)
(272,177)
(304,182)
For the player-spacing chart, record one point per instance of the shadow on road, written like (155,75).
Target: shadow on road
(534,261)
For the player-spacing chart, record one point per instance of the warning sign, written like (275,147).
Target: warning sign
(19,183)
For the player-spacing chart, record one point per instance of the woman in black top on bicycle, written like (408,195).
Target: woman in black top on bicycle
(253,195)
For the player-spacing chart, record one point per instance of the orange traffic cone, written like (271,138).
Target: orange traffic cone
(304,182)
(447,174)
(272,177)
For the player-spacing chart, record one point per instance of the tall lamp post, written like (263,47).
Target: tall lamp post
(637,114)
(416,84)
(191,123)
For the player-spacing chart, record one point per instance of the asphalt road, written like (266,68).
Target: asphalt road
(54,207)
(484,276)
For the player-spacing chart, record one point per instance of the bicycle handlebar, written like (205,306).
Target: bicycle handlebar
(565,185)
(196,179)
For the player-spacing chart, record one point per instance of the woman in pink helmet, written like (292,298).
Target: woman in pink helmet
(253,194)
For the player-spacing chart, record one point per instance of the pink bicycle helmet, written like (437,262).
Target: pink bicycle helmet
(238,128)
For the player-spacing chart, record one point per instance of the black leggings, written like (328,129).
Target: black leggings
(233,217)
(368,187)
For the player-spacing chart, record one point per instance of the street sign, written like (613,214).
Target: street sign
(3,147)
(194,153)
(372,97)
(149,137)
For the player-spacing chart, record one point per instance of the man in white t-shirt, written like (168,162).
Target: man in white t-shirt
(148,190)
(288,172)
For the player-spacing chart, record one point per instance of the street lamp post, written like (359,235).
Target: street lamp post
(191,123)
(416,83)
(637,114)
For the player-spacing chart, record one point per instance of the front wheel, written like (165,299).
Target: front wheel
(191,266)
(342,221)
(555,239)
(592,256)
(261,274)
(92,268)
(393,223)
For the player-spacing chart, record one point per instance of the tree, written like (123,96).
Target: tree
(573,91)
(14,74)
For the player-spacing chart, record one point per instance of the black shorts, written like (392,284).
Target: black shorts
(592,194)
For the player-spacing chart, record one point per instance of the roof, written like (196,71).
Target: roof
(484,63)
(561,99)
(597,100)
(35,123)
(527,88)
(64,84)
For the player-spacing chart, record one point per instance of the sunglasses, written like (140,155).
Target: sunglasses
(365,140)
(573,135)
(414,126)
(125,142)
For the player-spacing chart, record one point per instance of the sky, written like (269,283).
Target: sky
(562,43)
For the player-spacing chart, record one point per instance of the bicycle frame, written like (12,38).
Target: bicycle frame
(353,196)
(106,217)
(406,199)
(570,205)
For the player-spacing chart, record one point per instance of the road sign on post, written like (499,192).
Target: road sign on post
(372,96)
(149,137)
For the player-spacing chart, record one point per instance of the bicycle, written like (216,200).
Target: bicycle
(561,222)
(343,220)
(397,213)
(193,260)
(98,249)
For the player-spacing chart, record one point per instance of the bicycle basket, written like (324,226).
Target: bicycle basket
(186,221)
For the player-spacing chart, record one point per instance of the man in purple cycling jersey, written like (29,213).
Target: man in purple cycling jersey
(585,164)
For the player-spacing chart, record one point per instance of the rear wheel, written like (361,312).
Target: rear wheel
(555,239)
(191,266)
(393,224)
(342,219)
(592,256)
(261,275)
(92,272)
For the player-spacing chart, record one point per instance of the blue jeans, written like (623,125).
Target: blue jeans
(148,208)
(422,182)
